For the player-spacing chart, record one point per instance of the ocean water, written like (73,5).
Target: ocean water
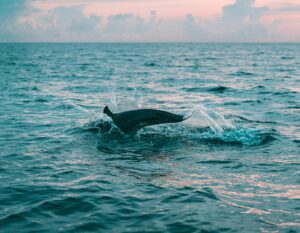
(233,166)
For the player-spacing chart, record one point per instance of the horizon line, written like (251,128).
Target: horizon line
(149,42)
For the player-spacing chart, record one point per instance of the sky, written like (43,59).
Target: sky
(149,20)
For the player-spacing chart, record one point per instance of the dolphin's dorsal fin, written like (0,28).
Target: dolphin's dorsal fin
(107,111)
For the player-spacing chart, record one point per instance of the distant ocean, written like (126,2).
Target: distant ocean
(232,167)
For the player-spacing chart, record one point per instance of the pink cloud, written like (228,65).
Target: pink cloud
(166,8)
(132,20)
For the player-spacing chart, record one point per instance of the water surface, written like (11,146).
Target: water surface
(232,167)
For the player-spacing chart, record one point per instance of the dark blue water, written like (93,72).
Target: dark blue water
(232,167)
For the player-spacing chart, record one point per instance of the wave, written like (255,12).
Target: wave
(242,73)
(216,89)
(287,57)
(219,89)
(150,64)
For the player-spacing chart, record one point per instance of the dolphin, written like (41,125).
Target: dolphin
(132,121)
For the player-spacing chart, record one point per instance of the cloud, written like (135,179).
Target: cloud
(59,24)
(240,21)
(71,23)
(194,30)
(125,23)
(72,20)
(66,20)
(9,12)
(128,26)
(288,8)
(10,8)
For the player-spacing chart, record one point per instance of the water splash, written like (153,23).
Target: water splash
(139,98)
(222,130)
(181,134)
(114,100)
(126,99)
(215,121)
(239,135)
(202,124)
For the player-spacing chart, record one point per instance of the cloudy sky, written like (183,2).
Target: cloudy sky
(150,20)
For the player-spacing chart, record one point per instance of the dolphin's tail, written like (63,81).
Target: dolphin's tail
(107,111)
(187,115)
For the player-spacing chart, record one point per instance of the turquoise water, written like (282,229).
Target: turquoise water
(233,166)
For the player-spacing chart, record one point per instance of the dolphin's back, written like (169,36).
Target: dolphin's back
(134,120)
